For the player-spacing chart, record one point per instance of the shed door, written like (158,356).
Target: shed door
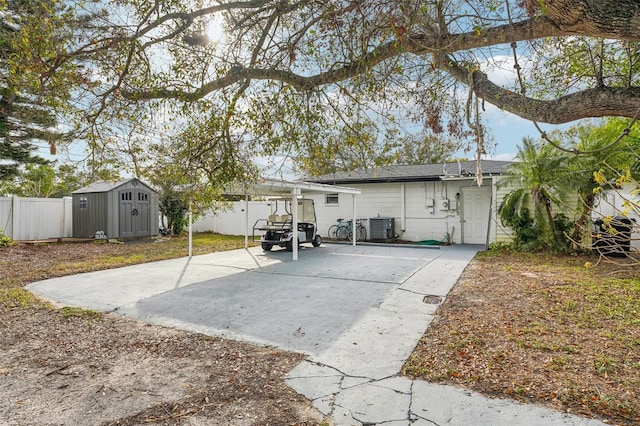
(142,218)
(134,213)
(475,211)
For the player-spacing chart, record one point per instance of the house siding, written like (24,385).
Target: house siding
(408,204)
(502,232)
(570,207)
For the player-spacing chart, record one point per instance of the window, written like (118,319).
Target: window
(83,203)
(331,199)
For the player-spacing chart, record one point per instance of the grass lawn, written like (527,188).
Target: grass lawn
(546,329)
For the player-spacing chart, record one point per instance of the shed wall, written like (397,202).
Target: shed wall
(92,217)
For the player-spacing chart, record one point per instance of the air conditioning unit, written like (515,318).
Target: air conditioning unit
(381,228)
(444,205)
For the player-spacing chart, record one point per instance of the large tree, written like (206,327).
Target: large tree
(289,73)
(35,82)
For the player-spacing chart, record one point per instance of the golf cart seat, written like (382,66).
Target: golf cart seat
(285,218)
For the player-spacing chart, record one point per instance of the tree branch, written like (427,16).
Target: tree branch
(597,102)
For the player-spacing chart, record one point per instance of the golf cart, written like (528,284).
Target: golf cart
(277,229)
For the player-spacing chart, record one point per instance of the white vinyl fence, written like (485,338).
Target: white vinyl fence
(231,220)
(36,218)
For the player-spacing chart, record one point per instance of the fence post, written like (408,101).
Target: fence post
(67,227)
(15,228)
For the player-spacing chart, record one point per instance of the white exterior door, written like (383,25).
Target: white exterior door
(476,203)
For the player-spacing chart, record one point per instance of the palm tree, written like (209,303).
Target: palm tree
(598,152)
(540,176)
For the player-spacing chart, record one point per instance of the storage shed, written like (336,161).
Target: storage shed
(123,209)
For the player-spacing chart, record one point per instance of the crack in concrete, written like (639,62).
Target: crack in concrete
(425,419)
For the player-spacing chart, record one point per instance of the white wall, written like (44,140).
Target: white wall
(408,203)
(36,218)
(612,203)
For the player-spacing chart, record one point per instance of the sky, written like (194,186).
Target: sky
(508,131)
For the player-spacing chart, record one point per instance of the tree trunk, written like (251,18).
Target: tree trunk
(582,220)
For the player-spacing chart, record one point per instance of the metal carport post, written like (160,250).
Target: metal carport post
(294,189)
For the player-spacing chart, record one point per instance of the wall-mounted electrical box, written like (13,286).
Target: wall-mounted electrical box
(430,202)
(453,205)
(444,205)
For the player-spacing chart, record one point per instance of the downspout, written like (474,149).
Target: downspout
(403,208)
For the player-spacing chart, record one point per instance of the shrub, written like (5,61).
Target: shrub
(4,240)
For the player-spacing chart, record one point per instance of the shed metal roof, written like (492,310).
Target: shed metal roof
(415,173)
(106,186)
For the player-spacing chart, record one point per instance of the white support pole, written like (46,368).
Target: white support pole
(190,232)
(353,223)
(294,212)
(246,221)
(403,207)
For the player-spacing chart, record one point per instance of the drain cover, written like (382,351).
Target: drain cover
(432,300)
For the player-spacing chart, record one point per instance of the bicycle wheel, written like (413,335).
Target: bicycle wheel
(342,233)
(333,232)
(362,233)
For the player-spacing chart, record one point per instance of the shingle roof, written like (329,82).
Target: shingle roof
(103,186)
(413,173)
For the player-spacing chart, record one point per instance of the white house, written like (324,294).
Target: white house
(440,202)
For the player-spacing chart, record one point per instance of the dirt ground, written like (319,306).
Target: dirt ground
(74,367)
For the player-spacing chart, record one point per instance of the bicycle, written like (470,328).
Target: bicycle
(361,230)
(340,231)
(343,230)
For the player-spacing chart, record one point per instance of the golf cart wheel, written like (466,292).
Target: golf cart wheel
(266,246)
(289,245)
(317,240)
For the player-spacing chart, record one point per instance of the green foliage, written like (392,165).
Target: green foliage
(174,208)
(425,149)
(541,180)
(45,181)
(606,149)
(74,312)
(4,240)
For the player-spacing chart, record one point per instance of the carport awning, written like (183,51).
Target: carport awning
(293,189)
(269,187)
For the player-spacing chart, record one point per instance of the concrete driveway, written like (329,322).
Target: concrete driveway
(357,311)
(251,295)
